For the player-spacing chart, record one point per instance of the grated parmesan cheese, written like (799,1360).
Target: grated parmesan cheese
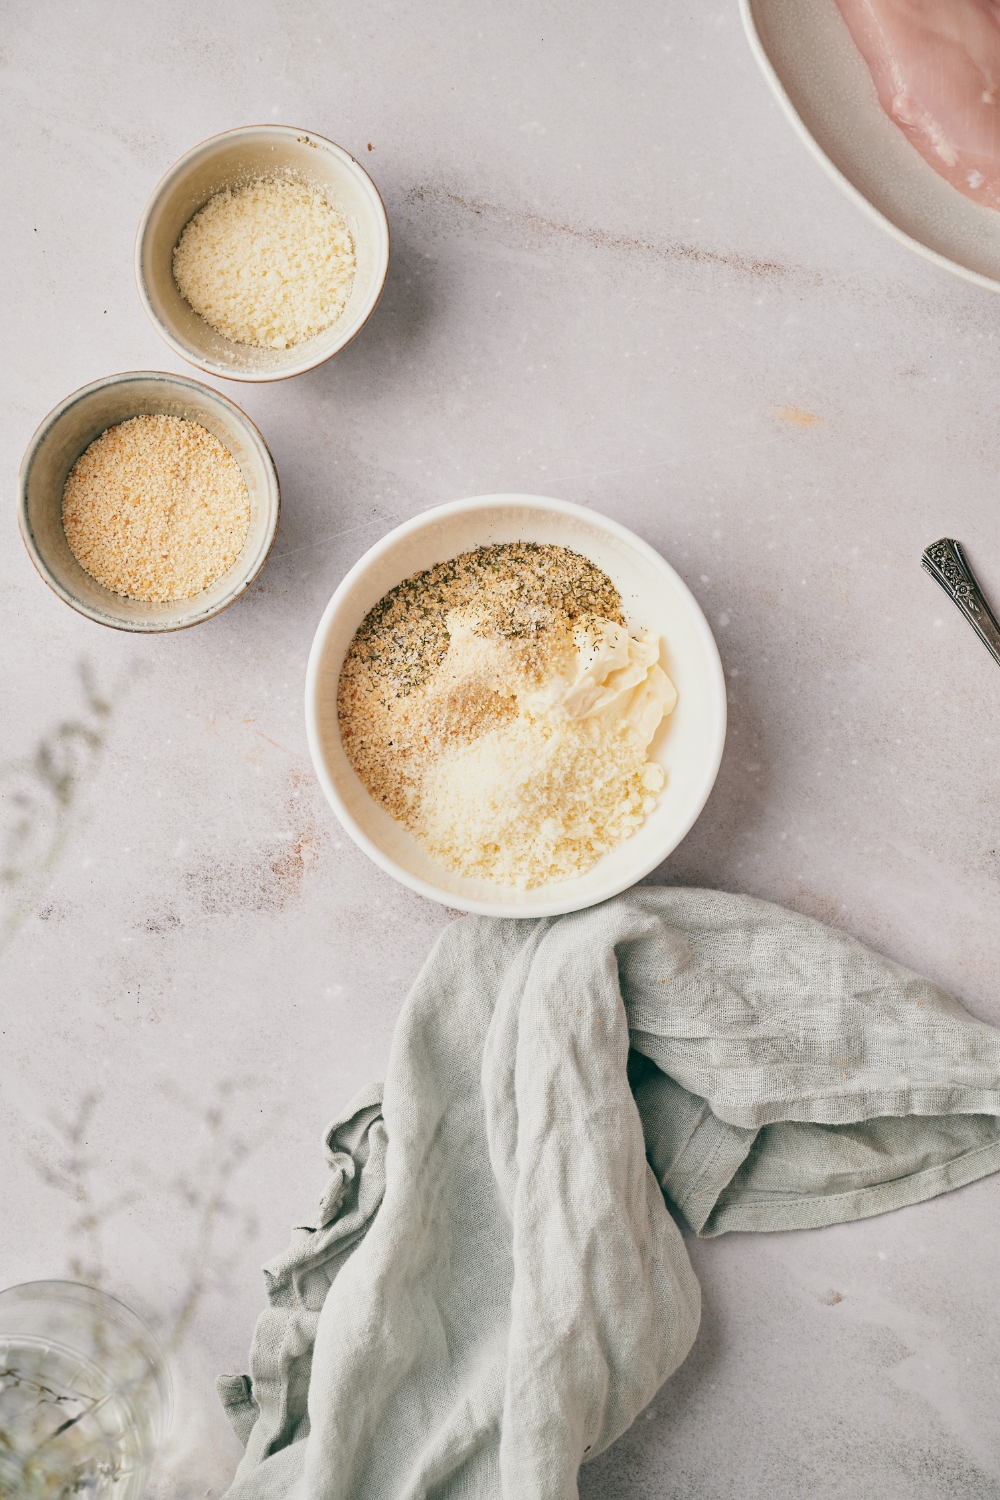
(269,264)
(535,800)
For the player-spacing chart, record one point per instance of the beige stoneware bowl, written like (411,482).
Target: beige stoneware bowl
(231,160)
(73,426)
(688,743)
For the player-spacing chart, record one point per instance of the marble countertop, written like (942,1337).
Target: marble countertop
(618,278)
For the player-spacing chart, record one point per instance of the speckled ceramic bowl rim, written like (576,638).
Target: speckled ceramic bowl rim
(552,905)
(844,183)
(181,165)
(42,431)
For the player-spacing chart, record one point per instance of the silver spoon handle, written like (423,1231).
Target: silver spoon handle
(946,562)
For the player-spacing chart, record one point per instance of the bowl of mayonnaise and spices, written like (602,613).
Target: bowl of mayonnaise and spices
(515,706)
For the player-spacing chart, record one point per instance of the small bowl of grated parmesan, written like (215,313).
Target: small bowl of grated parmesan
(515,706)
(262,252)
(147,501)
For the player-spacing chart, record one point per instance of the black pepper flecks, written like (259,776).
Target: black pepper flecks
(515,589)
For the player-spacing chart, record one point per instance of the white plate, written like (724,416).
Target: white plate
(688,744)
(822,82)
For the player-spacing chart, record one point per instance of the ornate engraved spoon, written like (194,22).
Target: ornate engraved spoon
(945,561)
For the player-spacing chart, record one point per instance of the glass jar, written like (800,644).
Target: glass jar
(85,1394)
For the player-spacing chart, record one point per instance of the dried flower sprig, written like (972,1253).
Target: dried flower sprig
(44,1460)
(40,799)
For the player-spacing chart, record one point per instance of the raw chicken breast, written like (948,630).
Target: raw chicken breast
(936,66)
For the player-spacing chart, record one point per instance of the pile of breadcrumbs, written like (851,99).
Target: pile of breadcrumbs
(269,264)
(156,509)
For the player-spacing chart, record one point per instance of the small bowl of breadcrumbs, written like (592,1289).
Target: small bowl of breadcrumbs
(262,252)
(147,501)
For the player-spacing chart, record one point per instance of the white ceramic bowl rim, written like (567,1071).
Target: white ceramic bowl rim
(124,379)
(309,361)
(552,905)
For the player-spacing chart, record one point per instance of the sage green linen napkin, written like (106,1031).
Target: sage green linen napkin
(493,1287)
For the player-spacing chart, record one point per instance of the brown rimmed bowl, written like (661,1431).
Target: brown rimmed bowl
(72,426)
(232,160)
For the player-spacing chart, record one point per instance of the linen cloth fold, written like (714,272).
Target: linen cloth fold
(493,1287)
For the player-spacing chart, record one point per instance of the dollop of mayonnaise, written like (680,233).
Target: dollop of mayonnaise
(613,673)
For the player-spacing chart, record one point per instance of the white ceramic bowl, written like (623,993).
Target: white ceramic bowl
(688,744)
(229,160)
(822,83)
(73,426)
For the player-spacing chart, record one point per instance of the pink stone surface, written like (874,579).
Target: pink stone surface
(616,278)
